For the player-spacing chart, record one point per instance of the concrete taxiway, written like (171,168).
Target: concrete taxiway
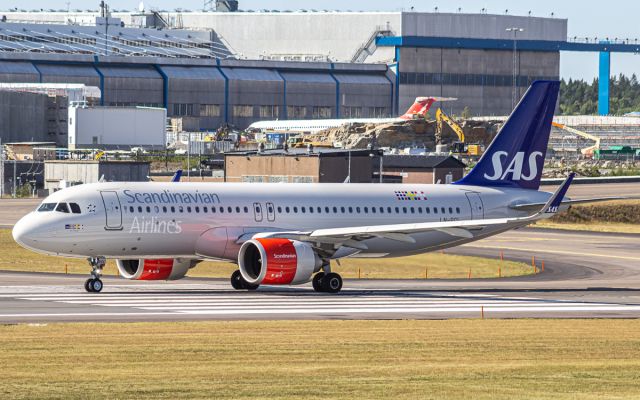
(587,275)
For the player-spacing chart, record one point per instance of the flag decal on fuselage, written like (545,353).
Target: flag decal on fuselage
(410,195)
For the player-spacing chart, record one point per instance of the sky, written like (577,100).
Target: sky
(587,18)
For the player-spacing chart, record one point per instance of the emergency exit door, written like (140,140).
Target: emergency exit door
(477,209)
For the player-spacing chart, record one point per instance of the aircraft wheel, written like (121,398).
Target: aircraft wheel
(237,282)
(87,285)
(96,285)
(317,281)
(332,283)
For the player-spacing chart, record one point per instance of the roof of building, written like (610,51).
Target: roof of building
(296,152)
(428,161)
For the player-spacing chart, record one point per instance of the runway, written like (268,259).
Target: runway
(587,275)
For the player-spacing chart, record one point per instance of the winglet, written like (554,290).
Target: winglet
(553,204)
(177,176)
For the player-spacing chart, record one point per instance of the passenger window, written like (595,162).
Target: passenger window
(413,210)
(238,209)
(435,210)
(287,209)
(419,210)
(310,210)
(404,210)
(295,209)
(246,209)
(319,209)
(457,210)
(131,209)
(442,210)
(173,209)
(326,209)
(47,207)
(373,209)
(221,209)
(350,210)
(335,210)
(188,209)
(205,209)
(279,210)
(388,210)
(156,209)
(358,210)
(75,208)
(229,209)
(213,210)
(164,209)
(197,209)
(62,207)
(140,209)
(450,210)
(342,210)
(303,210)
(180,209)
(397,210)
(381,210)
(366,210)
(428,210)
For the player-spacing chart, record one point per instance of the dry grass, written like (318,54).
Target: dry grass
(15,258)
(455,359)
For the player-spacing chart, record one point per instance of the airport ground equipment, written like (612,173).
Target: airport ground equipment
(587,151)
(460,146)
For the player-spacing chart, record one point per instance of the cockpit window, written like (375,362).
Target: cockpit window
(62,207)
(75,208)
(47,207)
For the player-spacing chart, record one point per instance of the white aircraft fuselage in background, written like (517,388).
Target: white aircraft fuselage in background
(282,234)
(418,109)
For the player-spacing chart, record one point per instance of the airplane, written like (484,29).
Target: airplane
(420,107)
(289,234)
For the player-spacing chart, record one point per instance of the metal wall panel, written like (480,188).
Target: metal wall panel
(52,73)
(18,71)
(130,86)
(310,90)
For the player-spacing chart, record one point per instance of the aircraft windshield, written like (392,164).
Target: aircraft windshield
(47,207)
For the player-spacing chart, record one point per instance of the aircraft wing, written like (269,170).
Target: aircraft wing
(352,236)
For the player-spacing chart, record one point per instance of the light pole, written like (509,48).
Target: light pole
(515,31)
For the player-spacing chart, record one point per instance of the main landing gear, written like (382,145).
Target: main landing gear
(94,284)
(238,282)
(329,282)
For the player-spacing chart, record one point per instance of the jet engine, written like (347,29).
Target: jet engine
(167,269)
(277,262)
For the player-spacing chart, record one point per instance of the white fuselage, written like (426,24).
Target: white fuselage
(315,125)
(206,220)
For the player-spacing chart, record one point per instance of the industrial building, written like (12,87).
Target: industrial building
(422,169)
(300,166)
(62,173)
(210,67)
(298,65)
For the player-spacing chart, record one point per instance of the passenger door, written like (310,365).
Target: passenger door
(271,212)
(257,212)
(112,210)
(477,209)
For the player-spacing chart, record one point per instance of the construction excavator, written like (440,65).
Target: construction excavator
(459,147)
(587,151)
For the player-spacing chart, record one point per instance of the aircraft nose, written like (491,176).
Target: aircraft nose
(21,230)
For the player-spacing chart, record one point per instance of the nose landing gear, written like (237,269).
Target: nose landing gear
(94,284)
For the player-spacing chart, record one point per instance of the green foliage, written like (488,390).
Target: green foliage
(578,97)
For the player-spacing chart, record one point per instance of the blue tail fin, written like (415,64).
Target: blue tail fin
(515,158)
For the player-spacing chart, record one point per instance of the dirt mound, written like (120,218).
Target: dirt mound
(412,133)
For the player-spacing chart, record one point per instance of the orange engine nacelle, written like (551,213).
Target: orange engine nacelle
(164,269)
(277,262)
